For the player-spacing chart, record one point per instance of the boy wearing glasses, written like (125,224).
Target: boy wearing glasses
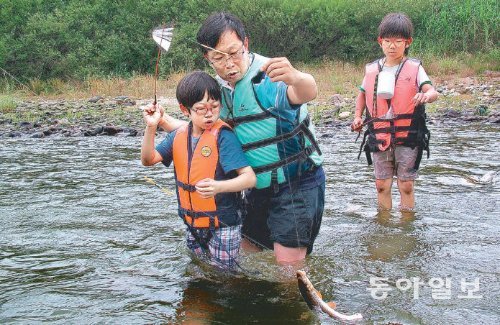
(264,100)
(396,134)
(209,166)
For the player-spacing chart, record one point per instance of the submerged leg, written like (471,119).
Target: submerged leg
(384,193)
(406,189)
(248,247)
(289,255)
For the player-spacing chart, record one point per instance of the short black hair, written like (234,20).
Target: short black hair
(215,25)
(396,24)
(191,89)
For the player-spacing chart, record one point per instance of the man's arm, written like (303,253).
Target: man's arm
(166,122)
(302,87)
(169,123)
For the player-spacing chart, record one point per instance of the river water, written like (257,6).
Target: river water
(84,239)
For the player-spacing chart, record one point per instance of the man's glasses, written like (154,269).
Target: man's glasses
(202,109)
(397,42)
(222,58)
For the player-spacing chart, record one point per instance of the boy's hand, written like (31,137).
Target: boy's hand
(357,124)
(152,114)
(420,98)
(207,188)
(280,69)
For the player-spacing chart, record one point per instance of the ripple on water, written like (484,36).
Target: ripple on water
(85,239)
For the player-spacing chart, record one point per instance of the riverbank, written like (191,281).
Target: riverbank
(463,100)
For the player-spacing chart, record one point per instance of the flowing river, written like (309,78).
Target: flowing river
(84,239)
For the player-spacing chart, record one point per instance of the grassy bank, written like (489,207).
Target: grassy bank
(332,78)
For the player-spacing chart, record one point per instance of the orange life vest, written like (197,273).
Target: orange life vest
(405,89)
(190,167)
(407,127)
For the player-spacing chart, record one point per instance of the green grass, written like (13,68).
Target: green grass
(332,77)
(7,104)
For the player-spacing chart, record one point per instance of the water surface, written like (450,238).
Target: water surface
(84,239)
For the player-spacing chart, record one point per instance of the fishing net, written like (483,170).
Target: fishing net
(163,37)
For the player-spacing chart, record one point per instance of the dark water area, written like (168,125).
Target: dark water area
(84,239)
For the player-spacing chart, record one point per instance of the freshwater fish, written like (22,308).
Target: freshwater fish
(487,178)
(314,300)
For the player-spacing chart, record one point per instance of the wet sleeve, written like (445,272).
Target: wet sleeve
(231,156)
(165,147)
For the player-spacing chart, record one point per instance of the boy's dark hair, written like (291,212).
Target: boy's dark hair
(215,25)
(396,24)
(191,89)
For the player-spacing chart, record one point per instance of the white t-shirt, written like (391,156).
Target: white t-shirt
(422,77)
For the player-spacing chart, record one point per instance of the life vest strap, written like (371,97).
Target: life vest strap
(304,154)
(421,142)
(235,121)
(404,116)
(197,214)
(368,156)
(406,141)
(369,146)
(250,118)
(396,117)
(202,222)
(308,133)
(268,141)
(201,238)
(393,129)
(202,219)
(302,127)
(362,142)
(186,187)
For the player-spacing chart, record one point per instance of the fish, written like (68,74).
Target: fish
(487,178)
(314,300)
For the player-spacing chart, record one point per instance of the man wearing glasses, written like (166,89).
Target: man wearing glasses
(264,100)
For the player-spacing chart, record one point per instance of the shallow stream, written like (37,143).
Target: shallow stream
(84,239)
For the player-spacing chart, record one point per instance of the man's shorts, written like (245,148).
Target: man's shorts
(396,161)
(292,217)
(223,246)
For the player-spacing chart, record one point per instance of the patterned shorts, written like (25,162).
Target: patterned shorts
(396,161)
(223,245)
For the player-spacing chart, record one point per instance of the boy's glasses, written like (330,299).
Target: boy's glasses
(202,109)
(397,42)
(222,58)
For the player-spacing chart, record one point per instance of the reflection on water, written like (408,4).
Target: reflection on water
(223,300)
(84,239)
(395,238)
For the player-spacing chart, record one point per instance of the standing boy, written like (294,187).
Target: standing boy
(210,169)
(397,134)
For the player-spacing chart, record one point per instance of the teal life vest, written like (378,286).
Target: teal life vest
(272,141)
